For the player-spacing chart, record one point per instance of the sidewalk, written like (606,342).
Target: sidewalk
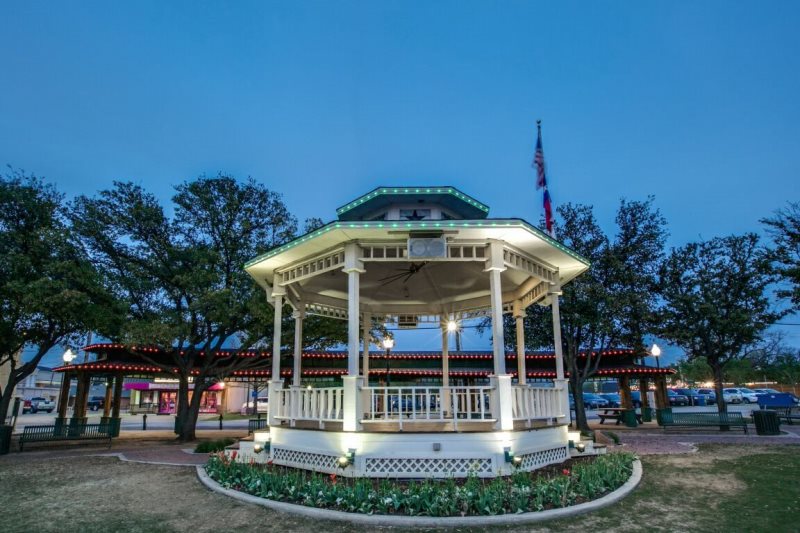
(649,438)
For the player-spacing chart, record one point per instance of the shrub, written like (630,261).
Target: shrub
(213,445)
(521,492)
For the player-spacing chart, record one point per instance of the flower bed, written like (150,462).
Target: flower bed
(573,482)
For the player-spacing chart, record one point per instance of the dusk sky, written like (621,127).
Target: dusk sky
(694,103)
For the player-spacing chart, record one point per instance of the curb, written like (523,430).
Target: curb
(430,521)
(121,457)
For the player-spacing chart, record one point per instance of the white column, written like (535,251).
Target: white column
(298,347)
(495,266)
(276,334)
(276,383)
(445,365)
(367,324)
(560,381)
(500,381)
(519,317)
(351,399)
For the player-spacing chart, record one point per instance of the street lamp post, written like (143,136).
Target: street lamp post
(388,344)
(655,351)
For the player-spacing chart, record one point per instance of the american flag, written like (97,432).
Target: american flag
(541,179)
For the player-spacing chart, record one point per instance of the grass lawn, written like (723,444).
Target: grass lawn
(721,488)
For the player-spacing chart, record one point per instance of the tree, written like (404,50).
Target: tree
(784,228)
(715,301)
(182,278)
(610,305)
(694,370)
(50,294)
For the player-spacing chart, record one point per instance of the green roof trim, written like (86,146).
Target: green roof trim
(413,190)
(416,225)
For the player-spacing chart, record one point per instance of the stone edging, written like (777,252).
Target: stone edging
(430,521)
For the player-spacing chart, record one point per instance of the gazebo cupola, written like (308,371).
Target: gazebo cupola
(414,255)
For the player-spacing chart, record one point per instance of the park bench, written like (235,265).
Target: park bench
(782,403)
(703,420)
(65,432)
(254,424)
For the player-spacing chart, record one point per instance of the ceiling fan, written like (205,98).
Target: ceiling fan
(405,273)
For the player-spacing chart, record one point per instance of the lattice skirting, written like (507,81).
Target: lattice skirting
(534,460)
(318,462)
(421,467)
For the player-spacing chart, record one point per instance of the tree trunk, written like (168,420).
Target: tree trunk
(580,411)
(183,405)
(5,401)
(189,422)
(722,407)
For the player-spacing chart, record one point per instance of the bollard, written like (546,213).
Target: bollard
(144,422)
(220,421)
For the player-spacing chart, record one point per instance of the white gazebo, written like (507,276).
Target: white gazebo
(415,255)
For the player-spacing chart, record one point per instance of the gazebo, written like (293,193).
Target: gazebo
(412,256)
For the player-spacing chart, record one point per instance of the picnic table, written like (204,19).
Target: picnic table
(615,413)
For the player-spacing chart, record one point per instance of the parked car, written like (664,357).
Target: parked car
(590,401)
(263,406)
(696,397)
(26,407)
(676,399)
(95,403)
(594,401)
(766,391)
(613,399)
(42,404)
(732,395)
(748,395)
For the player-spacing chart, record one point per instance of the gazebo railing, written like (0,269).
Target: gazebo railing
(427,404)
(319,405)
(536,403)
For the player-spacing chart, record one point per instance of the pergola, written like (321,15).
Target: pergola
(414,255)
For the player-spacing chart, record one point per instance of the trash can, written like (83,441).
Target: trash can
(767,422)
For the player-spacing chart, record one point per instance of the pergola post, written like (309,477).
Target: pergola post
(501,382)
(63,399)
(644,399)
(116,404)
(298,347)
(519,318)
(662,400)
(81,396)
(276,383)
(560,382)
(351,397)
(629,413)
(107,397)
(445,365)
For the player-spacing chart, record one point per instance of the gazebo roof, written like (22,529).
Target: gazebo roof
(454,200)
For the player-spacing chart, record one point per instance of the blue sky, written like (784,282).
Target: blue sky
(695,103)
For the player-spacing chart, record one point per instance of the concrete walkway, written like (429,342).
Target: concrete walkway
(649,438)
(155,447)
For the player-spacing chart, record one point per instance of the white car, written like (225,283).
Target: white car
(732,395)
(247,407)
(748,395)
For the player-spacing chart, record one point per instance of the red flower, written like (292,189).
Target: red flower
(233,455)
(269,463)
(565,471)
(333,479)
